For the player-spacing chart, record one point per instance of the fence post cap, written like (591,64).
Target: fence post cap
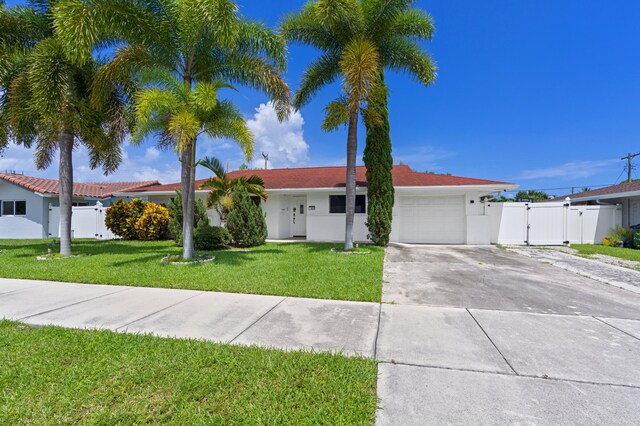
(568,199)
(99,204)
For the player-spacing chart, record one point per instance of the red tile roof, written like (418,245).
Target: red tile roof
(334,177)
(80,189)
(609,190)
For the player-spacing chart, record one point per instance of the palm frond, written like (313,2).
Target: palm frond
(304,27)
(359,66)
(204,97)
(413,23)
(344,17)
(184,127)
(336,115)
(214,165)
(256,39)
(320,73)
(259,74)
(51,77)
(83,24)
(228,122)
(120,71)
(406,56)
(378,13)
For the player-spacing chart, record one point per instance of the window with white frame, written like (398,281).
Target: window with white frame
(338,204)
(14,207)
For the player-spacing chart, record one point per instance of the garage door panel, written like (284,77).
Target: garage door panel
(432,220)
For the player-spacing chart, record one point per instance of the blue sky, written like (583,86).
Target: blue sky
(542,93)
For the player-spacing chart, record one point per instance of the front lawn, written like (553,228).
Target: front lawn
(285,269)
(622,253)
(57,376)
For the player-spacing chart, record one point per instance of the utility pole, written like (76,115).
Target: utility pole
(266,160)
(630,157)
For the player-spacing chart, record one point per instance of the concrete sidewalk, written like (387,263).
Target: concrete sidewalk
(280,322)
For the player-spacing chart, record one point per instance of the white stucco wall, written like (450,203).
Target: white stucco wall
(325,226)
(33,224)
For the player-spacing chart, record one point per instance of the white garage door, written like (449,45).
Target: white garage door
(432,220)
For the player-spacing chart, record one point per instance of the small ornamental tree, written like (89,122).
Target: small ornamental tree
(175,213)
(246,221)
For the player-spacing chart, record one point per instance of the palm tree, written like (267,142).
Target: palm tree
(395,28)
(196,41)
(46,102)
(222,187)
(337,29)
(178,114)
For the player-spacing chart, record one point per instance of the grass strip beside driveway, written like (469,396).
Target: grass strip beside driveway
(619,252)
(59,376)
(282,269)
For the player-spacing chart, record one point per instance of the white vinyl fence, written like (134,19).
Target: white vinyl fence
(86,222)
(555,223)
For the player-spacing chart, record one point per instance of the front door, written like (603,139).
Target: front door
(299,216)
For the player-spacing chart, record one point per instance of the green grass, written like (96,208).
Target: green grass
(57,376)
(622,253)
(285,269)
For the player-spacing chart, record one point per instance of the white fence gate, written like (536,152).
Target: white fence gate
(553,223)
(86,222)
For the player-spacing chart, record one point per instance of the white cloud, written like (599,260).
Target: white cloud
(152,154)
(573,169)
(284,142)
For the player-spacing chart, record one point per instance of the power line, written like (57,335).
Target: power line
(560,188)
(629,167)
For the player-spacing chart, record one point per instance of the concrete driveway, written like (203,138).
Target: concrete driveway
(474,335)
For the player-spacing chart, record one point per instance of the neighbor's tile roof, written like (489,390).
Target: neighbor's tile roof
(334,177)
(609,190)
(80,189)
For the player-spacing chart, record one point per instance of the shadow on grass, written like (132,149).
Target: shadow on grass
(237,257)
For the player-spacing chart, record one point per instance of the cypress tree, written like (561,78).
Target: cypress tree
(379,162)
(246,222)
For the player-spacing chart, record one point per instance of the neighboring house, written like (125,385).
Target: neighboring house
(627,194)
(310,203)
(28,205)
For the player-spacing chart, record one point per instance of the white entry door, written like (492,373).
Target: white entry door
(432,220)
(299,216)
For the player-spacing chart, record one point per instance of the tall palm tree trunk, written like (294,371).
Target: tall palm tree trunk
(66,190)
(187,177)
(352,150)
(188,205)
